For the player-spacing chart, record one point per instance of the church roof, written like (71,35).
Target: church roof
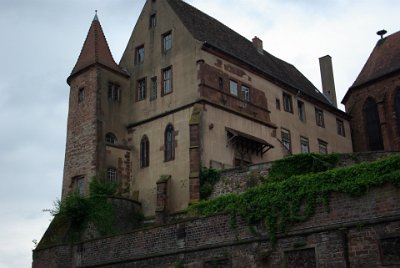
(384,60)
(213,33)
(95,50)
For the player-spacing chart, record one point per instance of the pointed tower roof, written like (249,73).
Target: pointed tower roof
(383,61)
(95,50)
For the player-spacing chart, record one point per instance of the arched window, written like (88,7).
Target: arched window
(372,125)
(144,152)
(169,143)
(111,138)
(397,109)
(112,175)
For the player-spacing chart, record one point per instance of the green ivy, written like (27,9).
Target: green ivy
(282,202)
(302,164)
(208,178)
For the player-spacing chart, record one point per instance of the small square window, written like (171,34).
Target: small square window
(319,117)
(167,42)
(139,55)
(246,93)
(340,127)
(233,87)
(167,81)
(141,89)
(287,103)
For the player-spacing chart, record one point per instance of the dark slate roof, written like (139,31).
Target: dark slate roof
(207,29)
(384,59)
(95,50)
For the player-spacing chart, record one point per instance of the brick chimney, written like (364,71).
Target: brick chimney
(258,44)
(328,83)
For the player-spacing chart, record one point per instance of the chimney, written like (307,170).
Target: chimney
(328,83)
(258,44)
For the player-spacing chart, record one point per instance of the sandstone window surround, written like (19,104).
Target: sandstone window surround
(233,87)
(139,55)
(112,175)
(153,88)
(152,21)
(301,110)
(304,145)
(167,81)
(286,140)
(166,42)
(144,152)
(169,143)
(319,117)
(287,102)
(111,138)
(246,93)
(322,146)
(114,91)
(141,89)
(340,127)
(79,184)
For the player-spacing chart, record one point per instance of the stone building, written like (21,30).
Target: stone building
(373,101)
(189,92)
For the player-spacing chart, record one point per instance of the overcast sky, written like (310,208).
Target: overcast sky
(41,41)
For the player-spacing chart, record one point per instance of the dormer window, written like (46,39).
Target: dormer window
(111,138)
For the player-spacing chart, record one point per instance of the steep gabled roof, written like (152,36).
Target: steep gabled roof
(207,29)
(384,60)
(95,50)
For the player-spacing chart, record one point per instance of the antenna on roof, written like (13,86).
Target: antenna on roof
(381,33)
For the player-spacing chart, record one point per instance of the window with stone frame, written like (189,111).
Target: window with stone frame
(166,81)
(141,89)
(111,138)
(340,127)
(152,21)
(220,83)
(112,175)
(166,42)
(322,147)
(301,110)
(233,87)
(114,91)
(319,117)
(278,103)
(153,88)
(144,152)
(169,143)
(286,140)
(287,102)
(304,145)
(139,55)
(81,95)
(246,93)
(79,184)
